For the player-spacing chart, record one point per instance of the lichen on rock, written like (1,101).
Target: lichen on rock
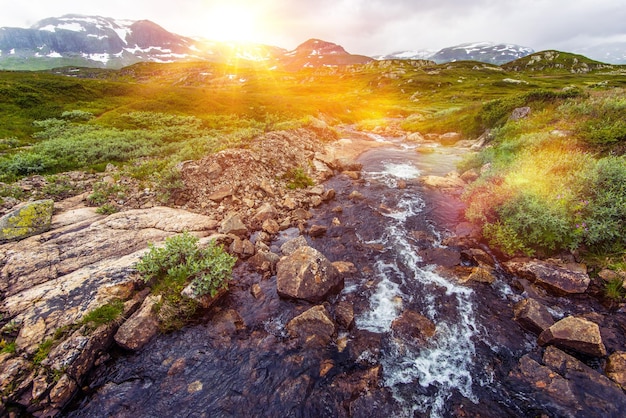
(28,220)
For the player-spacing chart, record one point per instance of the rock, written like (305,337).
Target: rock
(62,392)
(446,257)
(449,138)
(532,316)
(31,219)
(354,175)
(450,181)
(292,245)
(576,334)
(221,194)
(413,326)
(307,274)
(470,176)
(616,368)
(141,327)
(234,225)
(344,314)
(345,267)
(256,291)
(480,275)
(265,212)
(264,262)
(356,195)
(242,247)
(317,231)
(271,227)
(313,327)
(329,195)
(556,278)
(520,113)
(290,203)
(478,256)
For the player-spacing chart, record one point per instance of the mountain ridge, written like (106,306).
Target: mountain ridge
(104,42)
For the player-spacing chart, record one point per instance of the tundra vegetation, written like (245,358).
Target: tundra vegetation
(550,182)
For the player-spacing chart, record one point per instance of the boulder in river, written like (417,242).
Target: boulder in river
(554,277)
(414,326)
(576,334)
(313,327)
(532,316)
(307,274)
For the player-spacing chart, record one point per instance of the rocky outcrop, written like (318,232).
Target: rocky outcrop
(557,278)
(576,334)
(450,183)
(31,219)
(307,274)
(51,281)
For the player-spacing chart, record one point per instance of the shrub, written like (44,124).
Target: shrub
(298,179)
(181,259)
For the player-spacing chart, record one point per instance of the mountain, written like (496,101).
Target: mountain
(488,52)
(90,41)
(418,54)
(612,52)
(318,53)
(102,42)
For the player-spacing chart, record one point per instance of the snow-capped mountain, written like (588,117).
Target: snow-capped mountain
(613,52)
(417,54)
(488,52)
(91,41)
(94,41)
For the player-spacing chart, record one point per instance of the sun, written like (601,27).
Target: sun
(231,22)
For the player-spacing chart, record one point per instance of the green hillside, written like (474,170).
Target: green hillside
(81,119)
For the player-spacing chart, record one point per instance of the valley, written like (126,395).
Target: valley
(412,239)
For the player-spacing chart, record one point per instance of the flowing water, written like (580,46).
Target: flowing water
(237,360)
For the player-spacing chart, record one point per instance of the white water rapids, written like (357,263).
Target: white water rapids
(445,363)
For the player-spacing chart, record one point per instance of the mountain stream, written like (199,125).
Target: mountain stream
(237,360)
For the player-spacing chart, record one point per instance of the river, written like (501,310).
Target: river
(237,360)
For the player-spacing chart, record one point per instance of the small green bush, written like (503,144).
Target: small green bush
(107,209)
(614,289)
(298,179)
(180,260)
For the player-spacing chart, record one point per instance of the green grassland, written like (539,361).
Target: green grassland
(160,114)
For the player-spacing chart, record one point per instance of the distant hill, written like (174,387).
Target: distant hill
(556,61)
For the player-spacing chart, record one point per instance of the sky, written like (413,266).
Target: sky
(368,27)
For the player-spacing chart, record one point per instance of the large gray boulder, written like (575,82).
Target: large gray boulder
(307,274)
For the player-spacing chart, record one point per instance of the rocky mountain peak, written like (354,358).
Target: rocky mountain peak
(319,47)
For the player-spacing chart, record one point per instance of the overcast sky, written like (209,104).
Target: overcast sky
(366,27)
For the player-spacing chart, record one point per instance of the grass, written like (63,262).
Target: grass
(104,314)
